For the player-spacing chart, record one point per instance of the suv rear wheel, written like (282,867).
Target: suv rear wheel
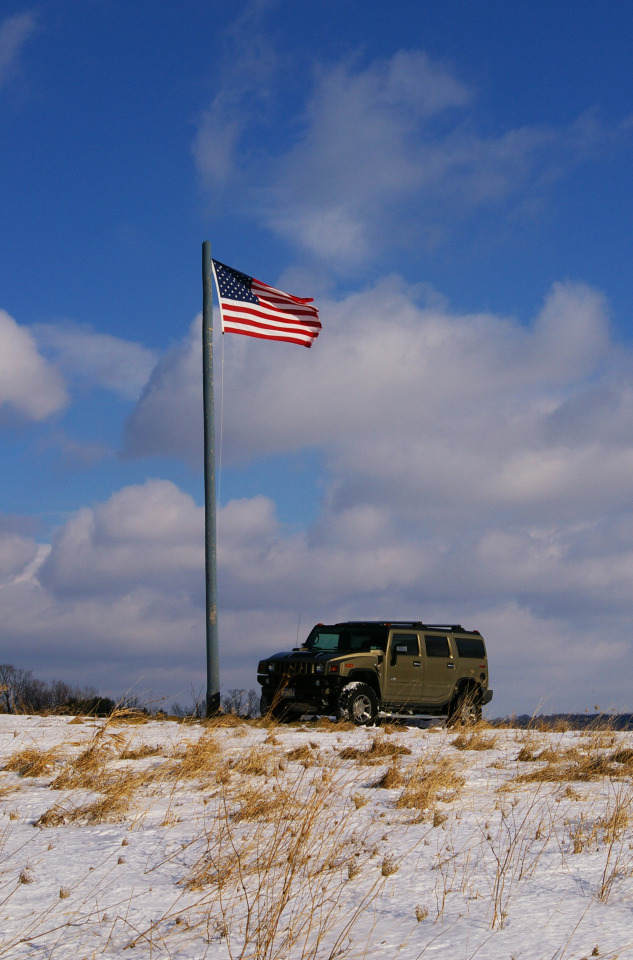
(358,702)
(464,710)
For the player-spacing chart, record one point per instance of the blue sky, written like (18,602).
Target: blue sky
(452,183)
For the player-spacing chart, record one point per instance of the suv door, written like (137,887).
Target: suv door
(440,668)
(403,670)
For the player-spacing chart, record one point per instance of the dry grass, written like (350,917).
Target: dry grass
(427,783)
(258,762)
(251,803)
(276,869)
(379,750)
(197,759)
(478,738)
(392,778)
(287,848)
(33,761)
(140,753)
(117,794)
(307,755)
(571,765)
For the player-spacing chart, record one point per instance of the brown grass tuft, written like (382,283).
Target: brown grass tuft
(379,750)
(476,739)
(32,761)
(198,759)
(334,726)
(428,783)
(254,804)
(304,754)
(117,793)
(392,778)
(257,762)
(624,757)
(573,764)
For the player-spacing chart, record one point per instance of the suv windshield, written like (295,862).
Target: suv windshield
(347,638)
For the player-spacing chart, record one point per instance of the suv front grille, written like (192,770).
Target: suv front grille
(292,668)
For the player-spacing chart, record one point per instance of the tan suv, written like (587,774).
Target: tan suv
(360,669)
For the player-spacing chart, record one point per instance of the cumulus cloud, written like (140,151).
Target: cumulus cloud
(145,535)
(167,419)
(97,359)
(447,412)
(28,384)
(117,597)
(16,553)
(14,33)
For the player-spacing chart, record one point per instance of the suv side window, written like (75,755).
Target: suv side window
(436,646)
(405,644)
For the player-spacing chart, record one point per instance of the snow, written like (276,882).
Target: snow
(260,840)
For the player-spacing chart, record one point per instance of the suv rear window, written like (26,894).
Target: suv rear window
(471,648)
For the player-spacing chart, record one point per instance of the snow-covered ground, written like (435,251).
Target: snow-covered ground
(312,840)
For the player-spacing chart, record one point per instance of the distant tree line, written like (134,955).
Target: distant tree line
(21,692)
(241,703)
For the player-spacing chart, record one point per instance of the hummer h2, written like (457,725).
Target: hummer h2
(359,669)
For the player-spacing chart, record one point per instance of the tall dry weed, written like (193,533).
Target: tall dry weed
(276,880)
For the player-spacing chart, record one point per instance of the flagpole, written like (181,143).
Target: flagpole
(210,536)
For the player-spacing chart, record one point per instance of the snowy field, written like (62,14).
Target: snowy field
(163,839)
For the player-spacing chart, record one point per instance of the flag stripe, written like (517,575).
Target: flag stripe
(238,310)
(234,326)
(304,342)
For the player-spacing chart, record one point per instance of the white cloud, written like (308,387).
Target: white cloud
(250,67)
(444,411)
(28,384)
(16,553)
(478,469)
(14,33)
(145,536)
(384,153)
(168,416)
(97,359)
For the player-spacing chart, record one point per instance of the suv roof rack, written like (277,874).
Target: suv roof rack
(457,627)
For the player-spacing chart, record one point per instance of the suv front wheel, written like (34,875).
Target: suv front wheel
(358,702)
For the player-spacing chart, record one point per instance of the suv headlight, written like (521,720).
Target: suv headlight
(271,667)
(319,668)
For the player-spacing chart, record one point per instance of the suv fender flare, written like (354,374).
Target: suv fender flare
(365,676)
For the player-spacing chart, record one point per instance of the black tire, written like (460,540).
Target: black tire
(465,709)
(358,703)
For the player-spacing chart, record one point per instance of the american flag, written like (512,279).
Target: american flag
(254,309)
